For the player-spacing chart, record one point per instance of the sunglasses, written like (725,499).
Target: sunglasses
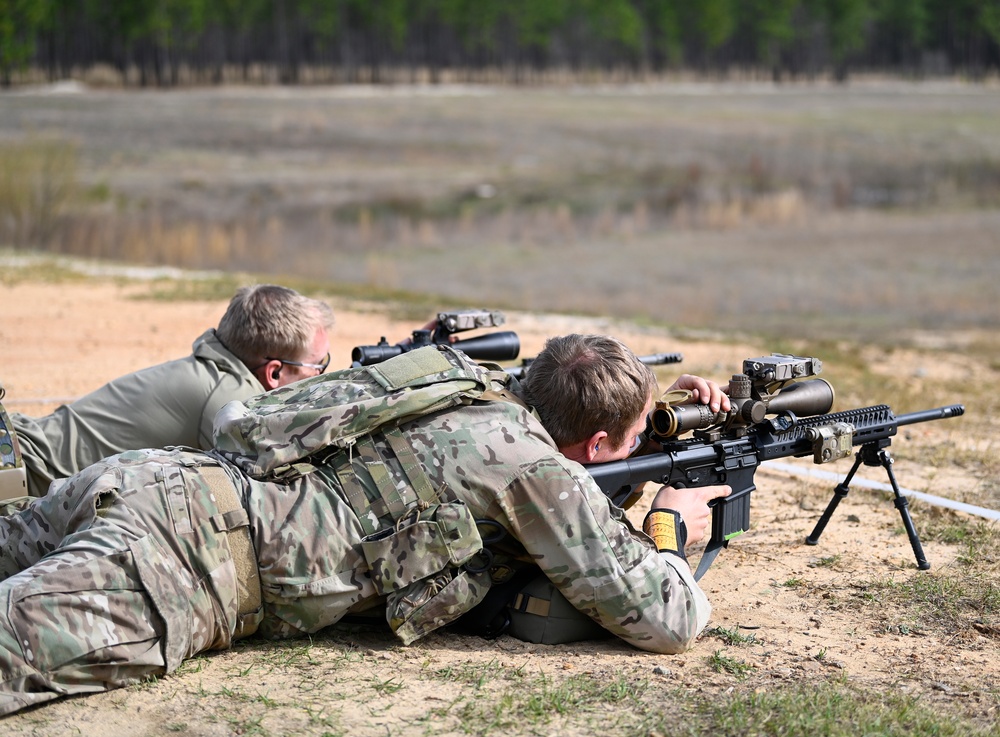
(321,367)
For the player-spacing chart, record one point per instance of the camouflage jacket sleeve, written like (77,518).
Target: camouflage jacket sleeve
(599,562)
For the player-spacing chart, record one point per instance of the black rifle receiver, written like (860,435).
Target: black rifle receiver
(729,450)
(500,346)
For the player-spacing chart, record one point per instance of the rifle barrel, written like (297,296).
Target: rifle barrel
(653,359)
(925,415)
(660,359)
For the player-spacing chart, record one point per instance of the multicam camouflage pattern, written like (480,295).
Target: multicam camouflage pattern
(421,566)
(497,459)
(268,434)
(135,536)
(443,532)
(118,574)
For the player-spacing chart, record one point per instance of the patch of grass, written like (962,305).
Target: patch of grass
(17,268)
(388,686)
(238,695)
(20,267)
(37,185)
(622,706)
(289,657)
(829,561)
(565,197)
(982,550)
(479,674)
(192,665)
(537,705)
(732,636)
(980,538)
(243,725)
(952,604)
(830,709)
(722,663)
(400,303)
(318,716)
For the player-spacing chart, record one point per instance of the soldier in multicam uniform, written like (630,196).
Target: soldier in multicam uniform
(269,336)
(363,490)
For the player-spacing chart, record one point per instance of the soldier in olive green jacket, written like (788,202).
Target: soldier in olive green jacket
(366,490)
(174,403)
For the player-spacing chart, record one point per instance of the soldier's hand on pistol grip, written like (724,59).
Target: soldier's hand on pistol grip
(692,505)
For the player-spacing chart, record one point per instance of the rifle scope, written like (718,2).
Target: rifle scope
(500,346)
(803,398)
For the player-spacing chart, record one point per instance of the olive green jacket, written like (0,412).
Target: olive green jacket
(171,404)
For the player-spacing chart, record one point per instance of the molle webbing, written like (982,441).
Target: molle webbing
(367,509)
(411,466)
(285,433)
(391,501)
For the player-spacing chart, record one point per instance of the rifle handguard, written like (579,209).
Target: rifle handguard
(667,530)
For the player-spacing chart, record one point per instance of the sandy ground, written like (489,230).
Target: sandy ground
(801,604)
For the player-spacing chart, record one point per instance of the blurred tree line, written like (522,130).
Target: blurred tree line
(169,42)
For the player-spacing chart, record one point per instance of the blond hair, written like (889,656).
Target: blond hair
(271,321)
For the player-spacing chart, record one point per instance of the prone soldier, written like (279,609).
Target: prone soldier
(268,337)
(361,490)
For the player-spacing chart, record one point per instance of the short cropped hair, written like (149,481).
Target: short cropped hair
(582,384)
(267,320)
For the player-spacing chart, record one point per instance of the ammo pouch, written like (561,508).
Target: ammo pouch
(425,566)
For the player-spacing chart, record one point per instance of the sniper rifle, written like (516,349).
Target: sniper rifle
(776,413)
(500,346)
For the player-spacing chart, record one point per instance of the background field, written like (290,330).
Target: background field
(868,210)
(858,224)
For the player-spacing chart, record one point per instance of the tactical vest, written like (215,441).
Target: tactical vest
(422,544)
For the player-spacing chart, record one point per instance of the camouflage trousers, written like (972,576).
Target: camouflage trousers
(117,575)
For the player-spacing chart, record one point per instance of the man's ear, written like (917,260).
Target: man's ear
(269,375)
(586,450)
(594,444)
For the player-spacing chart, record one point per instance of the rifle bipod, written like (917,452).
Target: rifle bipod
(872,455)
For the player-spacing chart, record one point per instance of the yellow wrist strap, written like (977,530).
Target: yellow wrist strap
(666,529)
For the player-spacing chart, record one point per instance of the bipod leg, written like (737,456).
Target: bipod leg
(885,460)
(838,494)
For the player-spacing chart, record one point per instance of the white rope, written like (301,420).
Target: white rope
(929,498)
